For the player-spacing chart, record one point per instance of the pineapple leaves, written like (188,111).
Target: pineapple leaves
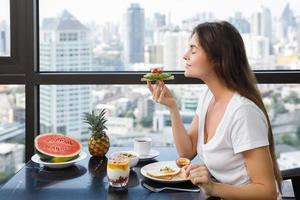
(96,121)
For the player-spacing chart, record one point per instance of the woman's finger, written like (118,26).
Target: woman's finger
(198,173)
(150,87)
(156,92)
(200,180)
(162,94)
(191,167)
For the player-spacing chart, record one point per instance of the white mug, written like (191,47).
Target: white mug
(142,146)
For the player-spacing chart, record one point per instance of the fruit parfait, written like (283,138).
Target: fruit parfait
(118,171)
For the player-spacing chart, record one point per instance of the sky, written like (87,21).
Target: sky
(112,10)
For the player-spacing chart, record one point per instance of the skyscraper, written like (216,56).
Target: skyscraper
(159,20)
(155,53)
(287,20)
(240,23)
(258,51)
(262,23)
(65,46)
(174,46)
(134,35)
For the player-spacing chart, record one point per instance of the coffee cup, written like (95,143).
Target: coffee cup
(142,146)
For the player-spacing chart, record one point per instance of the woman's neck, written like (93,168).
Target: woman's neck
(219,89)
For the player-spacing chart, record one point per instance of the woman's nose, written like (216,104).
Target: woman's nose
(185,56)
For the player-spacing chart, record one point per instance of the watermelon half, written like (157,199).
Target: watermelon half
(55,147)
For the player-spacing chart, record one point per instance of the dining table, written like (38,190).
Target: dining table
(87,179)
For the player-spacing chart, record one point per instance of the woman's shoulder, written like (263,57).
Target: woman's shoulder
(245,108)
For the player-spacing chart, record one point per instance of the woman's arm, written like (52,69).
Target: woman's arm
(260,169)
(185,141)
(259,166)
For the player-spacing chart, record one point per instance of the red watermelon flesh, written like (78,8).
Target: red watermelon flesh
(55,147)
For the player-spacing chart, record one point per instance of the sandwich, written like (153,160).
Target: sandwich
(157,74)
(165,173)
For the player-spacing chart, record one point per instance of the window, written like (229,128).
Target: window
(72,50)
(124,36)
(4,28)
(12,130)
(131,112)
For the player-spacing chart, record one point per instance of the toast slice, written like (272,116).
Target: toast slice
(166,171)
(154,79)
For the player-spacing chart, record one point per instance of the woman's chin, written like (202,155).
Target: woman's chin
(188,75)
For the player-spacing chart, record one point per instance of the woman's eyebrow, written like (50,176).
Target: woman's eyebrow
(194,46)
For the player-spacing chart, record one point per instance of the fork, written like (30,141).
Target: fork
(169,188)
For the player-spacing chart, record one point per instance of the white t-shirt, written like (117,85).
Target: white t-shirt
(242,127)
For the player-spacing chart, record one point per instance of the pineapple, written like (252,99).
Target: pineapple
(99,141)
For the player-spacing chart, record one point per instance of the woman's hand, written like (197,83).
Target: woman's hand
(161,94)
(199,175)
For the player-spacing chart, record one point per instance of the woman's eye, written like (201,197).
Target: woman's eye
(193,52)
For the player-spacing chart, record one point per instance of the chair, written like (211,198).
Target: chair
(294,176)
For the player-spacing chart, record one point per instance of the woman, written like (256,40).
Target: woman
(231,130)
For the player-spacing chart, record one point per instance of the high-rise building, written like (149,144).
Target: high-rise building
(146,108)
(190,23)
(134,35)
(65,46)
(155,54)
(148,31)
(109,33)
(162,120)
(258,50)
(261,23)
(240,23)
(4,39)
(159,20)
(174,47)
(298,41)
(190,97)
(11,158)
(287,20)
(288,15)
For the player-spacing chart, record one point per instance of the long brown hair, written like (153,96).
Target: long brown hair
(225,48)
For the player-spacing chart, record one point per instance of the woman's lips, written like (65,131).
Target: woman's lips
(187,65)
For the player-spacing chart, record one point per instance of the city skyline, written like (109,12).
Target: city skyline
(118,7)
(137,41)
(114,10)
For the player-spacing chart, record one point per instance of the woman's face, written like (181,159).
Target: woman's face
(197,62)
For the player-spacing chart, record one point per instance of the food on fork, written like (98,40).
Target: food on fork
(157,74)
(181,162)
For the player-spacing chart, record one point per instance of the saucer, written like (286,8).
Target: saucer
(153,153)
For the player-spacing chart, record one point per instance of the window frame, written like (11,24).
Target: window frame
(22,67)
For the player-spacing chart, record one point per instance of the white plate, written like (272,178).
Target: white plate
(36,158)
(153,153)
(159,165)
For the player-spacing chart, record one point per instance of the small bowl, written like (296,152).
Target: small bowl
(181,162)
(131,155)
